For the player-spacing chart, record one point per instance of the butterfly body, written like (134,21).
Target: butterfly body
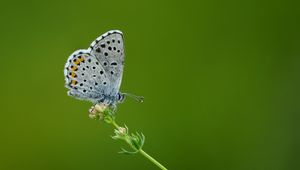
(95,74)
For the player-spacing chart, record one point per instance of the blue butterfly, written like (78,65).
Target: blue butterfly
(95,74)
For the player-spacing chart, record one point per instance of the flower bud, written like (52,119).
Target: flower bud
(122,131)
(92,116)
(100,107)
(92,110)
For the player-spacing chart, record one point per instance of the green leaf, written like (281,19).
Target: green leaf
(124,151)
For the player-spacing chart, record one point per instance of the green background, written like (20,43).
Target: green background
(220,81)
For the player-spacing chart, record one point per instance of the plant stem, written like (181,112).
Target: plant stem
(152,159)
(115,124)
(141,150)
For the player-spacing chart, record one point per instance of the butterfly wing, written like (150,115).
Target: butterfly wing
(109,51)
(85,78)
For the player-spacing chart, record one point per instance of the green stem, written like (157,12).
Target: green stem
(152,159)
(113,122)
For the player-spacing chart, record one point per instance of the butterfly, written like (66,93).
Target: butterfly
(95,74)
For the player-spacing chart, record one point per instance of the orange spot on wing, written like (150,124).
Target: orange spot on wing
(73,75)
(73,82)
(76,61)
(74,68)
(81,59)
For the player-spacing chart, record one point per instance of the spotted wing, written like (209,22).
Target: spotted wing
(109,51)
(85,77)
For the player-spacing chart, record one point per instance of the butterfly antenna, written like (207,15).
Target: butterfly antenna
(137,98)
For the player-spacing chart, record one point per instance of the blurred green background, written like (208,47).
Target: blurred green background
(220,81)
